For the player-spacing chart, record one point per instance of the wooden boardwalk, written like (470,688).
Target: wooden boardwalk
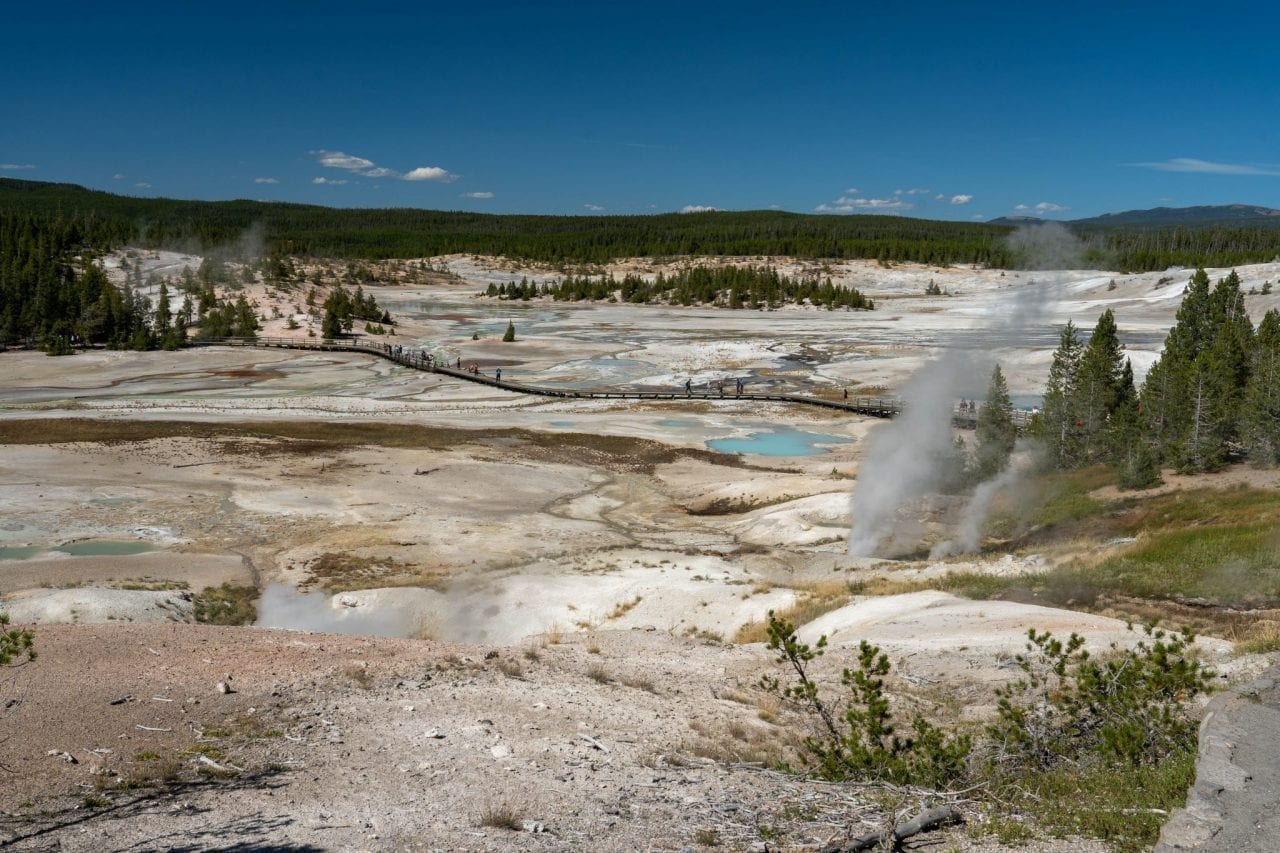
(878,407)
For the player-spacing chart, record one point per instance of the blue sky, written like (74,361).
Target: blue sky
(944,110)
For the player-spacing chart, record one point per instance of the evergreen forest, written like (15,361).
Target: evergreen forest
(313,231)
(1213,395)
(730,287)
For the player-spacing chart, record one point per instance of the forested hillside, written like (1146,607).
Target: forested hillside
(309,230)
(411,233)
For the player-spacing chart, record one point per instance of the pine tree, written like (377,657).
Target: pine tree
(1202,448)
(996,432)
(1127,439)
(1097,388)
(162,319)
(1059,426)
(510,334)
(246,322)
(1194,391)
(1260,409)
(331,327)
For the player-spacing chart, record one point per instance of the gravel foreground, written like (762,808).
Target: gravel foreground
(123,739)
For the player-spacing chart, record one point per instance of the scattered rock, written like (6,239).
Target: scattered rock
(224,688)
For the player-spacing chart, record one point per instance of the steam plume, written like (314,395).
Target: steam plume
(1047,246)
(905,458)
(282,606)
(911,457)
(968,534)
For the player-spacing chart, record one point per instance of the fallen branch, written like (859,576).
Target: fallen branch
(594,742)
(222,768)
(926,821)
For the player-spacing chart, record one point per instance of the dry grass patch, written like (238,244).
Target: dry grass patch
(344,572)
(358,675)
(622,608)
(815,599)
(599,674)
(639,682)
(501,816)
(737,741)
(510,668)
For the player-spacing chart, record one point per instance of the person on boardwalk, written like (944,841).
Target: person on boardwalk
(688,387)
(497,374)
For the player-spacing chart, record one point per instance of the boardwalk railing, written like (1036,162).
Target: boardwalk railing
(880,407)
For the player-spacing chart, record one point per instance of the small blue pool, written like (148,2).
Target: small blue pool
(781,441)
(85,548)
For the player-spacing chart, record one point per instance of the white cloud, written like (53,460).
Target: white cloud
(352,163)
(1207,167)
(342,160)
(961,199)
(847,204)
(476,195)
(117,177)
(917,191)
(939,197)
(698,208)
(594,208)
(430,173)
(143,185)
(332,182)
(265,181)
(852,191)
(369,169)
(1042,207)
(15,166)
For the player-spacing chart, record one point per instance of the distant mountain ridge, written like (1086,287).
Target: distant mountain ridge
(1164,217)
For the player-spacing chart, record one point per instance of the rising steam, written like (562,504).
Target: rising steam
(283,606)
(910,458)
(906,458)
(968,533)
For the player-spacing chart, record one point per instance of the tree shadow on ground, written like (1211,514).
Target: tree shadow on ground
(190,827)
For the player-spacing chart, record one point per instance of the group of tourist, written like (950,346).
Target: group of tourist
(739,384)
